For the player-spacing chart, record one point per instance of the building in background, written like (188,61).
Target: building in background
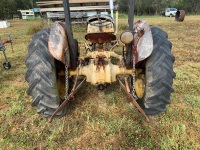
(27,14)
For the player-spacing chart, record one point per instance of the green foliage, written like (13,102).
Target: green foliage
(123,5)
(143,7)
(10,7)
(123,26)
(36,27)
(176,139)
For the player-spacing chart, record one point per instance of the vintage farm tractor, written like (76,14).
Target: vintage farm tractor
(6,64)
(144,67)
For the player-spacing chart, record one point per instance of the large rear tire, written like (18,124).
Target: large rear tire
(42,76)
(159,75)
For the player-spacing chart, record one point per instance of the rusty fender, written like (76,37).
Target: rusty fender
(143,39)
(58,44)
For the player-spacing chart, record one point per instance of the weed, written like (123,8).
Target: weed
(192,100)
(177,139)
(37,27)
(123,26)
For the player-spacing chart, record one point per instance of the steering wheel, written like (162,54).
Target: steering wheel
(100,20)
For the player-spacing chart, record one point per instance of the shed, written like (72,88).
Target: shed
(79,9)
(27,14)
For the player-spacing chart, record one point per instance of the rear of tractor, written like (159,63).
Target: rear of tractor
(144,67)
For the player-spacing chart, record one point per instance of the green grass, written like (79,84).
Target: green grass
(103,120)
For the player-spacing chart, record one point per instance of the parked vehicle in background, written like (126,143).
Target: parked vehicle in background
(170,12)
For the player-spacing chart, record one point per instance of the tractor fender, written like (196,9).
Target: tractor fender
(58,43)
(143,40)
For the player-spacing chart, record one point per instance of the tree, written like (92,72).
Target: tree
(10,7)
(123,5)
(156,6)
(149,7)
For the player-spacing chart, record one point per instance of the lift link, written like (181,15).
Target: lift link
(133,100)
(126,89)
(70,96)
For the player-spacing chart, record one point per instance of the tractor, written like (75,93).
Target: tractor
(143,68)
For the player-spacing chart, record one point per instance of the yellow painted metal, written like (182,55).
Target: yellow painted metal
(139,83)
(116,22)
(126,37)
(101,53)
(61,87)
(106,73)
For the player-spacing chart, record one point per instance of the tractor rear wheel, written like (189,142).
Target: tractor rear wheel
(159,75)
(42,76)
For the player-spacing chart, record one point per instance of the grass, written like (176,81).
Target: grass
(103,120)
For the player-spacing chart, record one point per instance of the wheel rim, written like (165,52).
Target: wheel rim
(7,65)
(139,83)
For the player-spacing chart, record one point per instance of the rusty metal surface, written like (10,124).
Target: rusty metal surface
(133,100)
(180,15)
(100,24)
(100,37)
(70,96)
(58,41)
(100,29)
(99,69)
(143,40)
